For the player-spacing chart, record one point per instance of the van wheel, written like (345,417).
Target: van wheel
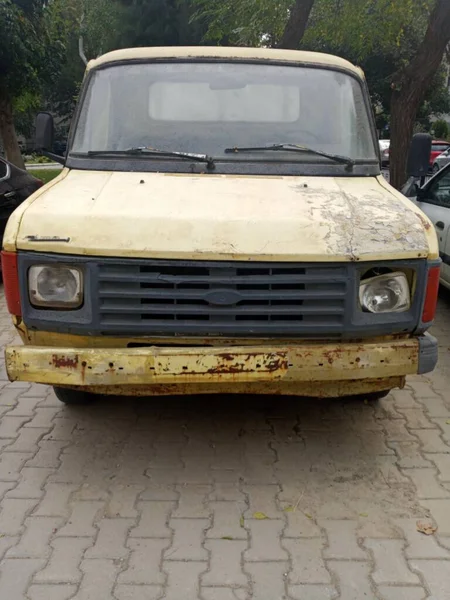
(68,396)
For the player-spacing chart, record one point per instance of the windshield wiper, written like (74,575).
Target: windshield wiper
(203,158)
(349,162)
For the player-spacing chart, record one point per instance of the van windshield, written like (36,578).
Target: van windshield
(206,107)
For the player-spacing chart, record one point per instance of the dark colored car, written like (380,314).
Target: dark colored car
(15,187)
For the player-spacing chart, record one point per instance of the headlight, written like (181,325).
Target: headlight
(55,286)
(385,293)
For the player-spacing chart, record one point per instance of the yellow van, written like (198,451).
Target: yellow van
(220,225)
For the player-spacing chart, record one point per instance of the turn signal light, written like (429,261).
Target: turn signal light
(11,282)
(429,308)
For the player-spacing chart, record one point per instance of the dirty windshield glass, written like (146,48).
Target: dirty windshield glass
(207,107)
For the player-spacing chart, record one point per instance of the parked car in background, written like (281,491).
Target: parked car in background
(437,148)
(441,160)
(434,200)
(384,150)
(15,187)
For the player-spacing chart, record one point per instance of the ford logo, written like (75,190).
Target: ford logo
(223,298)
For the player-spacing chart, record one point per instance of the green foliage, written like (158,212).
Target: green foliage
(360,27)
(243,22)
(25,108)
(441,129)
(44,175)
(364,28)
(38,159)
(28,54)
(158,23)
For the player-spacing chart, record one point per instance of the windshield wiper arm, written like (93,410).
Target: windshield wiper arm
(203,158)
(349,162)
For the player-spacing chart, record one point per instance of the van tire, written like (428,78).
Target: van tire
(69,396)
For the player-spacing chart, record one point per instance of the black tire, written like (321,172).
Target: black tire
(68,396)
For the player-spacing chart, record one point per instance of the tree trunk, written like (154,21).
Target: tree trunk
(296,25)
(410,85)
(8,134)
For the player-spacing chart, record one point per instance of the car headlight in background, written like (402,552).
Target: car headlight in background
(55,286)
(385,293)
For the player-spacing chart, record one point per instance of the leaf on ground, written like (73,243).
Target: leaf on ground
(289,509)
(308,516)
(241,521)
(260,516)
(426,527)
(363,514)
(227,537)
(448,421)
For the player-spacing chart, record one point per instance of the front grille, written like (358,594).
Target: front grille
(216,298)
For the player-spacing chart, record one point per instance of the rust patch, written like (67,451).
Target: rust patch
(332,355)
(61,362)
(425,223)
(230,356)
(269,364)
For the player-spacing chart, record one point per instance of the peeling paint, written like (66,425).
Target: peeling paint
(303,365)
(222,217)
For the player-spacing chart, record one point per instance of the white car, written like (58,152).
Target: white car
(384,150)
(433,199)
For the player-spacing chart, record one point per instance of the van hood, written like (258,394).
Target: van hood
(220,217)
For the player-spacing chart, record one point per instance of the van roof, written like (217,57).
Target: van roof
(262,54)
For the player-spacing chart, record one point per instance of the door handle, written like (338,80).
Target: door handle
(440,225)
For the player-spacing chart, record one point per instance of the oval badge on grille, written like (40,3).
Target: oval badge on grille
(222,298)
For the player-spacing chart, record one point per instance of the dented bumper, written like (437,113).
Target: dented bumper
(309,368)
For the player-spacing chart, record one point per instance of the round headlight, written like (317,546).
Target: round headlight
(385,293)
(55,286)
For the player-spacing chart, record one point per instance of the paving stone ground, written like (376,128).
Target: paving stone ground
(225,498)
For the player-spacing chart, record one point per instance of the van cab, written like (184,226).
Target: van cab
(220,225)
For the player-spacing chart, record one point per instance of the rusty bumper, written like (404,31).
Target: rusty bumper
(281,369)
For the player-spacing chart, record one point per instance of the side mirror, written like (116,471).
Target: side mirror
(419,155)
(44,139)
(45,131)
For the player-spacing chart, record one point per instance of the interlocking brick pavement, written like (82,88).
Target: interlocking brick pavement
(224,498)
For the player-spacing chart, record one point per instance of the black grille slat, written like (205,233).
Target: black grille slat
(192,310)
(218,280)
(222,298)
(175,294)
